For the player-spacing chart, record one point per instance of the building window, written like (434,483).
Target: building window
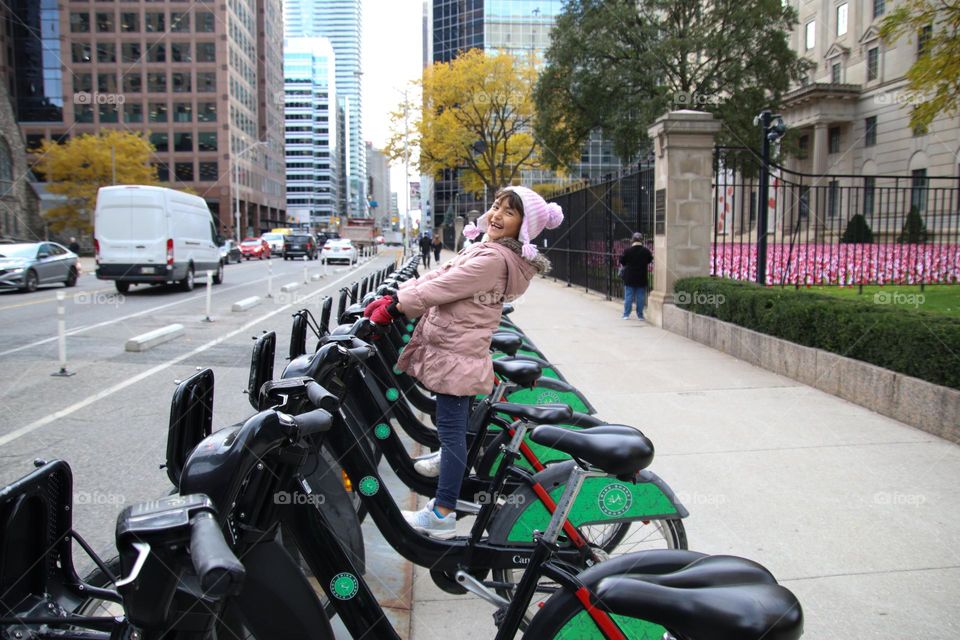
(130,52)
(879,7)
(158,112)
(209,172)
(129,22)
(83,113)
(106,52)
(869,191)
(159,141)
(182,112)
(157,82)
(105,23)
(184,171)
(835,73)
(133,112)
(79,23)
(109,113)
(206,52)
(82,82)
(163,172)
(180,22)
(810,38)
(205,22)
(206,81)
(870,134)
(923,37)
(155,22)
(207,141)
(132,83)
(873,63)
(82,52)
(107,82)
(183,141)
(157,52)
(180,52)
(206,112)
(833,134)
(181,82)
(918,189)
(803,146)
(842,19)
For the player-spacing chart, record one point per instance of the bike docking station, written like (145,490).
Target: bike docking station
(62,337)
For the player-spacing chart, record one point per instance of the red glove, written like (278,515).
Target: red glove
(376,304)
(381,316)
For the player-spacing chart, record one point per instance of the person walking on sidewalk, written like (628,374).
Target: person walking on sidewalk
(425,245)
(461,304)
(437,248)
(635,263)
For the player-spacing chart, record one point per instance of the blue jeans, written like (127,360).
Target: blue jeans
(631,293)
(453,412)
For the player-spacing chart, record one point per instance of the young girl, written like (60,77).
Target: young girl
(461,304)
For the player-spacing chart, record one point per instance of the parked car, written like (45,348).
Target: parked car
(27,266)
(255,248)
(230,252)
(154,235)
(275,240)
(300,244)
(341,249)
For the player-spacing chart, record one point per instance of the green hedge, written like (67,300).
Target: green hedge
(916,343)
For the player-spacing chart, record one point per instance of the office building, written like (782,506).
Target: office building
(311,131)
(202,79)
(339,21)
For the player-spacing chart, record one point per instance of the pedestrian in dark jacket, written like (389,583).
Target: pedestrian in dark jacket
(425,244)
(636,262)
(437,247)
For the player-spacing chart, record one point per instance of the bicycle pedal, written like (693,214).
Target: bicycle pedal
(499,615)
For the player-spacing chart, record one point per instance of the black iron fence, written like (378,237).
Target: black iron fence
(598,222)
(834,229)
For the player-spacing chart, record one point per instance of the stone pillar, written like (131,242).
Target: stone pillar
(683,145)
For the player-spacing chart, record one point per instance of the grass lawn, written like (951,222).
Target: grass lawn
(941,298)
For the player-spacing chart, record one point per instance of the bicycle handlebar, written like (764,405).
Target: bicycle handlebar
(220,572)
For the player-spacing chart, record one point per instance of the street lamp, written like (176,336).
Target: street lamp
(236,183)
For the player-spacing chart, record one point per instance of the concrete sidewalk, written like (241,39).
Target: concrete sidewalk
(856,513)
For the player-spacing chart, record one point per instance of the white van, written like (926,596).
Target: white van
(154,235)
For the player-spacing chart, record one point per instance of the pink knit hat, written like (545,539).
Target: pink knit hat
(538,214)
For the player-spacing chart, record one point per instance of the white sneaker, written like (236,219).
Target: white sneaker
(428,466)
(428,522)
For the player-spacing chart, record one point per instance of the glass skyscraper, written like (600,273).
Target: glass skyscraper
(311,130)
(340,22)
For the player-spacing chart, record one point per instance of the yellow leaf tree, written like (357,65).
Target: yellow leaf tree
(935,75)
(477,114)
(85,163)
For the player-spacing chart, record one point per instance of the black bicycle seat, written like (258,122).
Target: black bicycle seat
(714,571)
(741,612)
(509,343)
(539,413)
(521,372)
(617,449)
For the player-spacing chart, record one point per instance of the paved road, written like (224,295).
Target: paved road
(109,421)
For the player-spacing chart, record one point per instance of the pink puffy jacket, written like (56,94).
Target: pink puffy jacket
(461,303)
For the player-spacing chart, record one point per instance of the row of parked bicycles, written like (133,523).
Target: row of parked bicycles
(573,536)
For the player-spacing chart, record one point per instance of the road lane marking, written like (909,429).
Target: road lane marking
(62,413)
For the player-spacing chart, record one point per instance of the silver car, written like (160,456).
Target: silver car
(27,266)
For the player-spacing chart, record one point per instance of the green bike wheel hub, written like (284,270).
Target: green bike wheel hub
(369,486)
(344,586)
(392,394)
(382,431)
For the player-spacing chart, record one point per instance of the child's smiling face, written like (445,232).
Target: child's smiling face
(504,221)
